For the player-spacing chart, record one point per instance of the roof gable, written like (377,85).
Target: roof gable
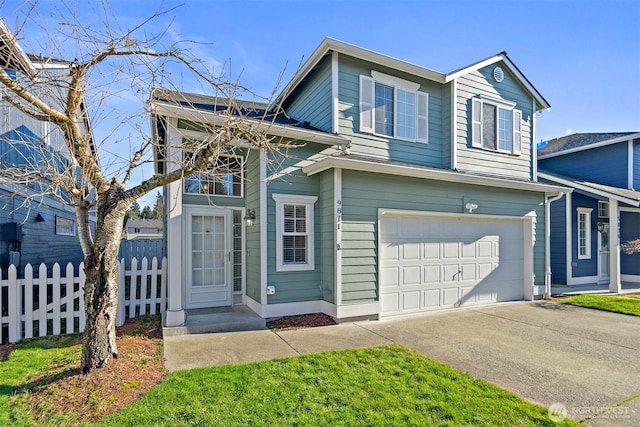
(332,45)
(582,141)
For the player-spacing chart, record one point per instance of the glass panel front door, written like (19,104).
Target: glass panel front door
(603,254)
(209,259)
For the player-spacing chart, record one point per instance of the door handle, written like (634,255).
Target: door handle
(229,256)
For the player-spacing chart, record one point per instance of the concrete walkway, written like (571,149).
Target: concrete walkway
(584,359)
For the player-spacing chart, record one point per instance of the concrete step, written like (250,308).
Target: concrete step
(220,319)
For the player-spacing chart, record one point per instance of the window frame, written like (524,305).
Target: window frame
(477,124)
(291,199)
(58,226)
(367,105)
(603,209)
(585,226)
(211,179)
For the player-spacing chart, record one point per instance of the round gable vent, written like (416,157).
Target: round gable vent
(498,74)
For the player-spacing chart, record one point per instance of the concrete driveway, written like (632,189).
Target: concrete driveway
(584,361)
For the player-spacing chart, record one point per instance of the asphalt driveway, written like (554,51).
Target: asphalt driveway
(584,361)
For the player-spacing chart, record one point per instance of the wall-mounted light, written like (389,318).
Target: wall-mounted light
(470,207)
(601,226)
(250,217)
(40,218)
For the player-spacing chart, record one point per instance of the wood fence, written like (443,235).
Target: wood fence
(40,305)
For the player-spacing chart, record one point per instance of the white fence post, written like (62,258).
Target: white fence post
(14,305)
(143,287)
(69,279)
(82,318)
(120,317)
(56,298)
(133,287)
(154,286)
(28,301)
(42,300)
(163,286)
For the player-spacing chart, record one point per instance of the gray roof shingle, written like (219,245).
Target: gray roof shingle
(578,140)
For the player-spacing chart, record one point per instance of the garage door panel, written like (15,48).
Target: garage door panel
(429,262)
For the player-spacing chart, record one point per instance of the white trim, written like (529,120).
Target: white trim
(534,145)
(337,206)
(590,146)
(454,124)
(528,235)
(583,280)
(587,232)
(614,247)
(474,67)
(463,216)
(633,278)
(601,277)
(335,96)
(396,82)
(308,202)
(588,189)
(502,103)
(630,184)
(267,311)
(568,211)
(241,163)
(477,126)
(426,173)
(263,226)
(358,310)
(166,109)
(366,86)
(601,204)
(625,209)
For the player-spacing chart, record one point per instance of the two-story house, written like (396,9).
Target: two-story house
(35,227)
(603,211)
(410,190)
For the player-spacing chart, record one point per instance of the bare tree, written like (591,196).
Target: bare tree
(88,169)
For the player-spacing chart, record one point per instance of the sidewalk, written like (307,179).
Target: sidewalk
(227,348)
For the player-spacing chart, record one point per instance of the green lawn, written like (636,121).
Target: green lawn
(628,304)
(380,386)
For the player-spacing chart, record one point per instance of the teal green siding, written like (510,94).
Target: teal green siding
(326,222)
(312,99)
(296,286)
(363,193)
(478,160)
(252,245)
(349,70)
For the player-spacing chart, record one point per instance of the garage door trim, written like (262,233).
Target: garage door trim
(527,221)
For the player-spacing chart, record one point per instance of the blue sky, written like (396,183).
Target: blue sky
(583,56)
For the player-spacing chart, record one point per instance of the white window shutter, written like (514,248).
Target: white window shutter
(422,117)
(476,123)
(367,85)
(517,131)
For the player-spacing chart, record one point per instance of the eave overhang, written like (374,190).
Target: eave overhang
(587,187)
(345,162)
(172,110)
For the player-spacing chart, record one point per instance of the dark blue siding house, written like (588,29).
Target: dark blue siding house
(603,212)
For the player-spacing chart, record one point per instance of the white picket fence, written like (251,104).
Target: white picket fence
(39,305)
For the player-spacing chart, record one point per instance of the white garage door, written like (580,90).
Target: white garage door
(439,262)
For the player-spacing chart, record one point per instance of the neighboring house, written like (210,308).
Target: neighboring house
(146,229)
(413,190)
(43,229)
(603,211)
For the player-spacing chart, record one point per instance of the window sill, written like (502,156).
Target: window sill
(294,267)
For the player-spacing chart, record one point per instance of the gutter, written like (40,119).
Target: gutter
(547,243)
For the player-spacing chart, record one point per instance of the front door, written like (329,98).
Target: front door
(208,258)
(603,254)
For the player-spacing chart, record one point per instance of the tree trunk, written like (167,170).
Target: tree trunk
(101,284)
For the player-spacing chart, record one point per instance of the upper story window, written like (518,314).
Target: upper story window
(603,209)
(226,182)
(496,126)
(393,107)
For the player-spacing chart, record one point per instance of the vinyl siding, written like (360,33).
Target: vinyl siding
(629,230)
(583,267)
(485,161)
(326,221)
(446,125)
(287,178)
(40,243)
(430,154)
(606,165)
(252,236)
(636,165)
(558,242)
(312,100)
(363,193)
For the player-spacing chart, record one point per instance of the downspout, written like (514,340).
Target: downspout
(547,243)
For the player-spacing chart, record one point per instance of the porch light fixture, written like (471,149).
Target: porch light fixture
(250,217)
(470,207)
(600,226)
